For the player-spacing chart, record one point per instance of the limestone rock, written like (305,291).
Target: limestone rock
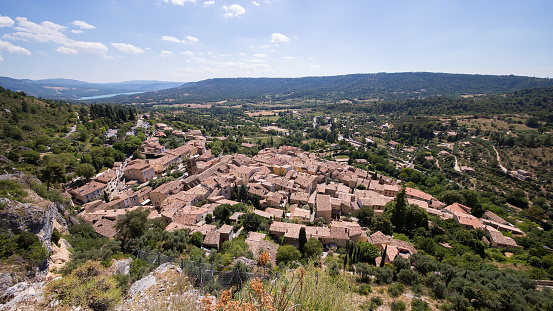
(123,266)
(5,282)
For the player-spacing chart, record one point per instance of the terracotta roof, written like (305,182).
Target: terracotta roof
(106,177)
(418,194)
(323,203)
(212,238)
(105,227)
(89,188)
(498,238)
(457,208)
(226,229)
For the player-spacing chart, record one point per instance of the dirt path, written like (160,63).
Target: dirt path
(499,161)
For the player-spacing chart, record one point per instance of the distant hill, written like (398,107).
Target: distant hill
(383,86)
(66,89)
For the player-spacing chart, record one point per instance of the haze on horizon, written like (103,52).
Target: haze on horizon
(192,40)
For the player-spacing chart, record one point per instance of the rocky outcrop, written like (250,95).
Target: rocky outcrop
(123,266)
(23,296)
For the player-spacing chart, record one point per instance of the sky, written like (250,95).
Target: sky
(193,40)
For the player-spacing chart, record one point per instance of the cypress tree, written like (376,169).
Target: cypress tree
(302,241)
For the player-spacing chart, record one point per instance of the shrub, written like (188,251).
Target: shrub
(287,254)
(377,300)
(398,306)
(56,235)
(407,277)
(419,305)
(383,275)
(197,239)
(395,290)
(12,190)
(400,264)
(86,288)
(365,289)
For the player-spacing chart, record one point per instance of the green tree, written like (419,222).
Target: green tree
(243,193)
(365,215)
(251,221)
(287,253)
(313,249)
(132,224)
(53,172)
(367,252)
(382,223)
(397,210)
(197,239)
(85,170)
(302,241)
(222,213)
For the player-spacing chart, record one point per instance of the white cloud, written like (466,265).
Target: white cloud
(259,55)
(265,46)
(278,37)
(233,10)
(165,53)
(88,48)
(83,25)
(1,58)
(68,51)
(209,3)
(314,67)
(43,32)
(242,54)
(288,57)
(187,53)
(171,38)
(179,2)
(76,31)
(6,21)
(10,47)
(188,39)
(255,3)
(51,32)
(127,48)
(191,39)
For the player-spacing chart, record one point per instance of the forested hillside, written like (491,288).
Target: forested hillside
(536,101)
(387,86)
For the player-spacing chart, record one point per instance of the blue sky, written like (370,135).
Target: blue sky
(186,40)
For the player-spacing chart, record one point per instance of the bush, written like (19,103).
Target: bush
(419,305)
(407,277)
(56,235)
(365,289)
(398,306)
(87,288)
(197,239)
(383,275)
(395,290)
(377,301)
(287,253)
(12,190)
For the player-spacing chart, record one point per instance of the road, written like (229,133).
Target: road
(456,167)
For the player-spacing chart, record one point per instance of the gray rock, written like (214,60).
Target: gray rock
(123,266)
(166,266)
(5,282)
(142,285)
(13,291)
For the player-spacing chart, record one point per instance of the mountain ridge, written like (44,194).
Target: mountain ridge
(69,89)
(376,86)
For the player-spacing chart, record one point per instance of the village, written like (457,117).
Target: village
(292,189)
